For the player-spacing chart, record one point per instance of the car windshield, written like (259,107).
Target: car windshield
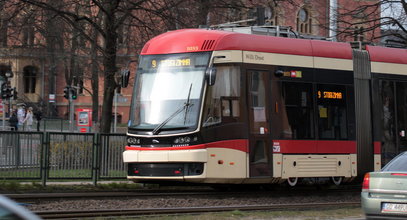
(398,163)
(167,93)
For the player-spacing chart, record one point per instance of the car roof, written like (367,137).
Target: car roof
(16,209)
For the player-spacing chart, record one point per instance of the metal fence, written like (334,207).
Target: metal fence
(58,125)
(49,156)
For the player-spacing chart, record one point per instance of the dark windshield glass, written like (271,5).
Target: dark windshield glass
(167,93)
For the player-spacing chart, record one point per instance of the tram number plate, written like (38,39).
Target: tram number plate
(394,207)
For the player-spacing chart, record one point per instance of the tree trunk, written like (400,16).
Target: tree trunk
(95,78)
(51,42)
(109,63)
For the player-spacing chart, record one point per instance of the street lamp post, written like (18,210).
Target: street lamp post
(6,94)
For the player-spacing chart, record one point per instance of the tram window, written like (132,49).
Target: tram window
(226,108)
(332,118)
(230,107)
(236,108)
(257,100)
(222,99)
(388,96)
(297,111)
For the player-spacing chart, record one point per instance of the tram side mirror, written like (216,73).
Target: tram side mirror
(210,76)
(279,73)
(125,78)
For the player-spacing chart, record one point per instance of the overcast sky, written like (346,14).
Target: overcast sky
(394,10)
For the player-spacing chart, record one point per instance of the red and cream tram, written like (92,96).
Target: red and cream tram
(214,106)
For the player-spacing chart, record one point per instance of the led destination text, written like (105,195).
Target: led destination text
(171,62)
(329,95)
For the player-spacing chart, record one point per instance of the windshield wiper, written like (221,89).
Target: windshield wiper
(184,107)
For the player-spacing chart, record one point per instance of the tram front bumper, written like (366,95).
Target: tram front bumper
(165,156)
(164,164)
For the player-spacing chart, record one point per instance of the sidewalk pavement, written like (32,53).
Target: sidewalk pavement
(67,183)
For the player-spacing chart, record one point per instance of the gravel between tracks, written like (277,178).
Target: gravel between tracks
(254,198)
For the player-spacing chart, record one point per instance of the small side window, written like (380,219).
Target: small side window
(222,103)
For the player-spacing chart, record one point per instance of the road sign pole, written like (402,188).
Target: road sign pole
(71,113)
(4,115)
(115,111)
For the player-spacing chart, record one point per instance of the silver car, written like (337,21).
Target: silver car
(384,193)
(10,210)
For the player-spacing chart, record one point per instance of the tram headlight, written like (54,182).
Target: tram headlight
(133,140)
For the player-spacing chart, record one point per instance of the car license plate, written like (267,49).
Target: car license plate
(394,207)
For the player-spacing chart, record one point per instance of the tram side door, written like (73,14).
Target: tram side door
(401,100)
(259,131)
(394,119)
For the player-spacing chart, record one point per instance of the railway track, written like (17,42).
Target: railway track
(96,195)
(188,210)
(149,202)
(165,193)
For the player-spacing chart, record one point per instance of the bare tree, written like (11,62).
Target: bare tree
(39,33)
(113,14)
(100,24)
(365,21)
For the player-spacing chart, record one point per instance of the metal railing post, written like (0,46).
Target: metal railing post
(45,157)
(95,160)
(92,156)
(17,153)
(4,114)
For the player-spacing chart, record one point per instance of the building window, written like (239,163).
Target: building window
(4,69)
(304,22)
(3,32)
(359,33)
(30,79)
(28,36)
(122,36)
(270,16)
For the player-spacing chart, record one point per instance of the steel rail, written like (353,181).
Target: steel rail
(188,210)
(87,195)
(157,193)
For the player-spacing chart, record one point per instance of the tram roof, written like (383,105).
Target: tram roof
(387,55)
(198,40)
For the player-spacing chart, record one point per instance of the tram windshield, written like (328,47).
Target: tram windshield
(168,92)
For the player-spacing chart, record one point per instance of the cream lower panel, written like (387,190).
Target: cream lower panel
(316,166)
(226,163)
(165,156)
(354,164)
(237,56)
(333,63)
(377,162)
(277,165)
(188,155)
(130,156)
(390,68)
(277,59)
(230,56)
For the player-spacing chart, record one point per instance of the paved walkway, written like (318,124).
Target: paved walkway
(83,182)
